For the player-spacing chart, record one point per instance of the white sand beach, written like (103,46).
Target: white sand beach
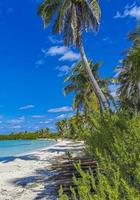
(25,177)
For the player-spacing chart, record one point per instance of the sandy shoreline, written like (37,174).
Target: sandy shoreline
(24,177)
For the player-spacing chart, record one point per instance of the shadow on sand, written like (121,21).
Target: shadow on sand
(42,183)
(12,158)
(41,177)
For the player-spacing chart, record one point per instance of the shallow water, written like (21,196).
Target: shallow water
(13,147)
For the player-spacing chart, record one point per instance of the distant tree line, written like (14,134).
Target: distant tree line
(42,133)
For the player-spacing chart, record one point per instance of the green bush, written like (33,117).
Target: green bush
(115,144)
(113,140)
(103,189)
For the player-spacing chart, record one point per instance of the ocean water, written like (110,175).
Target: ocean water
(14,147)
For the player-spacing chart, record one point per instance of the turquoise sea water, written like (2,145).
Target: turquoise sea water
(13,147)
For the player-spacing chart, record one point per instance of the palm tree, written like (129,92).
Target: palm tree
(79,84)
(62,126)
(72,17)
(129,76)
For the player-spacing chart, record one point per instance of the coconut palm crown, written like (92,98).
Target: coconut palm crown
(71,18)
(129,76)
(78,83)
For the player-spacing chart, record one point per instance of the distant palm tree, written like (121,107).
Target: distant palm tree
(62,126)
(71,18)
(129,76)
(78,83)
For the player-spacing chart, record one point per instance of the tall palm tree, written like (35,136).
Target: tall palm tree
(72,17)
(129,76)
(79,84)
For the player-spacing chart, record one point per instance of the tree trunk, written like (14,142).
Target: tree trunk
(96,88)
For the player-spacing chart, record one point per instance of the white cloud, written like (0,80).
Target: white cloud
(57,50)
(106,39)
(26,107)
(129,11)
(16,127)
(15,121)
(61,109)
(70,115)
(38,116)
(61,116)
(63,70)
(52,128)
(65,52)
(36,128)
(44,122)
(22,118)
(71,56)
(64,116)
(39,62)
(53,40)
(113,90)
(47,121)
(118,15)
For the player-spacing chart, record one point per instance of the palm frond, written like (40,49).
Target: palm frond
(71,17)
(48,9)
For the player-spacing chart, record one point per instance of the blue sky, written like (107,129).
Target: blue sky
(34,63)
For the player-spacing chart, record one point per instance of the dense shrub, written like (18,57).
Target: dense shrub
(103,189)
(114,141)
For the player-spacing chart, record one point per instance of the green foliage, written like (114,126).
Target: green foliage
(88,188)
(62,195)
(129,76)
(115,144)
(113,140)
(71,17)
(43,133)
(79,83)
(62,127)
(71,128)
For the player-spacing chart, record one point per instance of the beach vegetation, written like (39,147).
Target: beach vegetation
(112,139)
(129,75)
(79,84)
(39,134)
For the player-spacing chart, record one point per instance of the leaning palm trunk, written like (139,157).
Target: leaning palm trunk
(102,99)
